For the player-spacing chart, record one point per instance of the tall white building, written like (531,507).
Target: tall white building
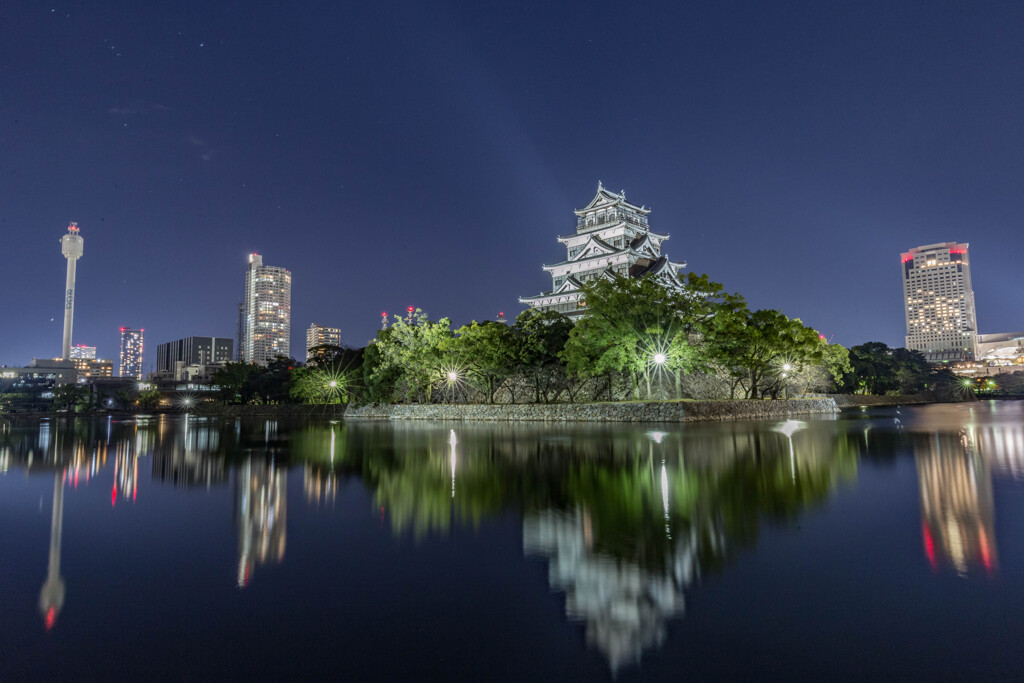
(939,301)
(613,237)
(318,335)
(267,312)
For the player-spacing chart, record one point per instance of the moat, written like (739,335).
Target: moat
(883,542)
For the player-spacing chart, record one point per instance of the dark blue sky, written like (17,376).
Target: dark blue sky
(428,153)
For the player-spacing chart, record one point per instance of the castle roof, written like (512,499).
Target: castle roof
(604,199)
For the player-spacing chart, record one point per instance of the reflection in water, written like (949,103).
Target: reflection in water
(957,523)
(190,454)
(261,504)
(623,605)
(627,520)
(51,597)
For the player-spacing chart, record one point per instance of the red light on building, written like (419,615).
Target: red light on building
(409,309)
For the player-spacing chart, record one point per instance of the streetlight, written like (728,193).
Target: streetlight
(786,367)
(333,384)
(660,358)
(453,376)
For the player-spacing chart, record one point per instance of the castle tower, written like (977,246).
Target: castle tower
(71,246)
(612,239)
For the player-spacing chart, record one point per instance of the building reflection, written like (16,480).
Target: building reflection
(319,485)
(189,454)
(260,515)
(957,510)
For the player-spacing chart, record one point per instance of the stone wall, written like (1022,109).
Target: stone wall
(855,400)
(282,410)
(634,411)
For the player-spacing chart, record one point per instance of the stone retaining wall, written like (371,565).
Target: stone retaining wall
(855,400)
(284,410)
(654,411)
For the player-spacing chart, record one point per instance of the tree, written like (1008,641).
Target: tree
(762,346)
(148,399)
(313,384)
(485,353)
(634,325)
(70,397)
(538,339)
(415,352)
(236,382)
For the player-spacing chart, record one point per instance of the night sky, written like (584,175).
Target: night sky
(428,153)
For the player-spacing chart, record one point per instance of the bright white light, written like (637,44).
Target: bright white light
(787,367)
(660,358)
(333,383)
(452,376)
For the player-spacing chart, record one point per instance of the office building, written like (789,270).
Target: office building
(318,335)
(193,351)
(131,353)
(84,352)
(939,302)
(90,368)
(267,320)
(613,238)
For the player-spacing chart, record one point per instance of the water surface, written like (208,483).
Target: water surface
(883,543)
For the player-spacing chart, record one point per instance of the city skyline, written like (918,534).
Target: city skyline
(791,152)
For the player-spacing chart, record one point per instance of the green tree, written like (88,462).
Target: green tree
(485,353)
(236,382)
(539,337)
(416,352)
(634,326)
(313,384)
(71,397)
(148,399)
(763,345)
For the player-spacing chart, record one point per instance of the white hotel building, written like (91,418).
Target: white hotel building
(939,300)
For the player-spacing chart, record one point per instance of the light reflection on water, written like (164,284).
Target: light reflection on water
(627,520)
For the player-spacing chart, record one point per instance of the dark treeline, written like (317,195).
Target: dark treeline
(637,341)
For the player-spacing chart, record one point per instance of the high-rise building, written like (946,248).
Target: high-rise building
(131,353)
(939,301)
(612,238)
(193,351)
(82,351)
(318,335)
(267,321)
(240,332)
(71,245)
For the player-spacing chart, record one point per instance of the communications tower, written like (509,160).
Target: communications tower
(71,246)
